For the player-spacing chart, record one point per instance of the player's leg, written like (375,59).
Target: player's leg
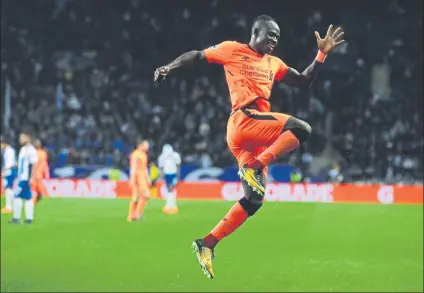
(279,133)
(28,204)
(142,200)
(35,191)
(238,214)
(171,205)
(9,195)
(294,132)
(39,191)
(135,194)
(18,203)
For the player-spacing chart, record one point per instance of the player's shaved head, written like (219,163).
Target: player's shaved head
(260,20)
(265,34)
(38,143)
(144,145)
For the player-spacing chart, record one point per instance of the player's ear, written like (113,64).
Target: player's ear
(255,31)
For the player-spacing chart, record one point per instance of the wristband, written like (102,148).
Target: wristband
(320,56)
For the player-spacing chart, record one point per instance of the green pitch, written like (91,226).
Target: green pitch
(87,245)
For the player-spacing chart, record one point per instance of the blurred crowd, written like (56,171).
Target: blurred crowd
(79,74)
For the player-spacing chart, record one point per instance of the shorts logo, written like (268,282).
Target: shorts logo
(245,58)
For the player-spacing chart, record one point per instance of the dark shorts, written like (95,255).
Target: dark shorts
(23,190)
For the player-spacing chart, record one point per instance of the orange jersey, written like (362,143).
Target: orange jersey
(139,165)
(249,75)
(42,166)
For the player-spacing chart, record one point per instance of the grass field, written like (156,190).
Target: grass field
(87,245)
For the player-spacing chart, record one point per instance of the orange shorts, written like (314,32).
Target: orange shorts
(250,132)
(141,188)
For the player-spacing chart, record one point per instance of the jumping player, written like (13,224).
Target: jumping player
(169,163)
(139,181)
(41,171)
(255,136)
(8,173)
(26,161)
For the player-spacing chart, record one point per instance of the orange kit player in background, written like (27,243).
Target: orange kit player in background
(41,171)
(139,180)
(255,136)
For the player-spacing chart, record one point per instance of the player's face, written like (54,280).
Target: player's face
(146,146)
(268,36)
(37,144)
(23,139)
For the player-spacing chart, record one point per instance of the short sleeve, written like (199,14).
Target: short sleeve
(221,53)
(282,70)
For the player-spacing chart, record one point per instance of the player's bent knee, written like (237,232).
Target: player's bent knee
(301,129)
(251,207)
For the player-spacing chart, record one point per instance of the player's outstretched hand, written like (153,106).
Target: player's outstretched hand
(161,73)
(331,40)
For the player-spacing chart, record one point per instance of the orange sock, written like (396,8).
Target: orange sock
(284,144)
(234,219)
(131,210)
(140,207)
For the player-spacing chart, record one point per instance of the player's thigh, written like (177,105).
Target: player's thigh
(250,129)
(42,188)
(35,188)
(135,192)
(144,188)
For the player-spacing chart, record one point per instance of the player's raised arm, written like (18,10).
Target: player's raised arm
(185,59)
(220,54)
(305,79)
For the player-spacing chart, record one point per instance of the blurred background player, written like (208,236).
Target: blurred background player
(139,180)
(154,172)
(169,163)
(8,173)
(41,171)
(26,162)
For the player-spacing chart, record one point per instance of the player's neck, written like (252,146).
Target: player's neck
(251,46)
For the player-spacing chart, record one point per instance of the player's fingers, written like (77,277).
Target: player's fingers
(317,35)
(330,28)
(336,32)
(157,74)
(340,42)
(339,37)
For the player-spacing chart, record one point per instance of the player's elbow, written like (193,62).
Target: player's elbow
(306,82)
(197,55)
